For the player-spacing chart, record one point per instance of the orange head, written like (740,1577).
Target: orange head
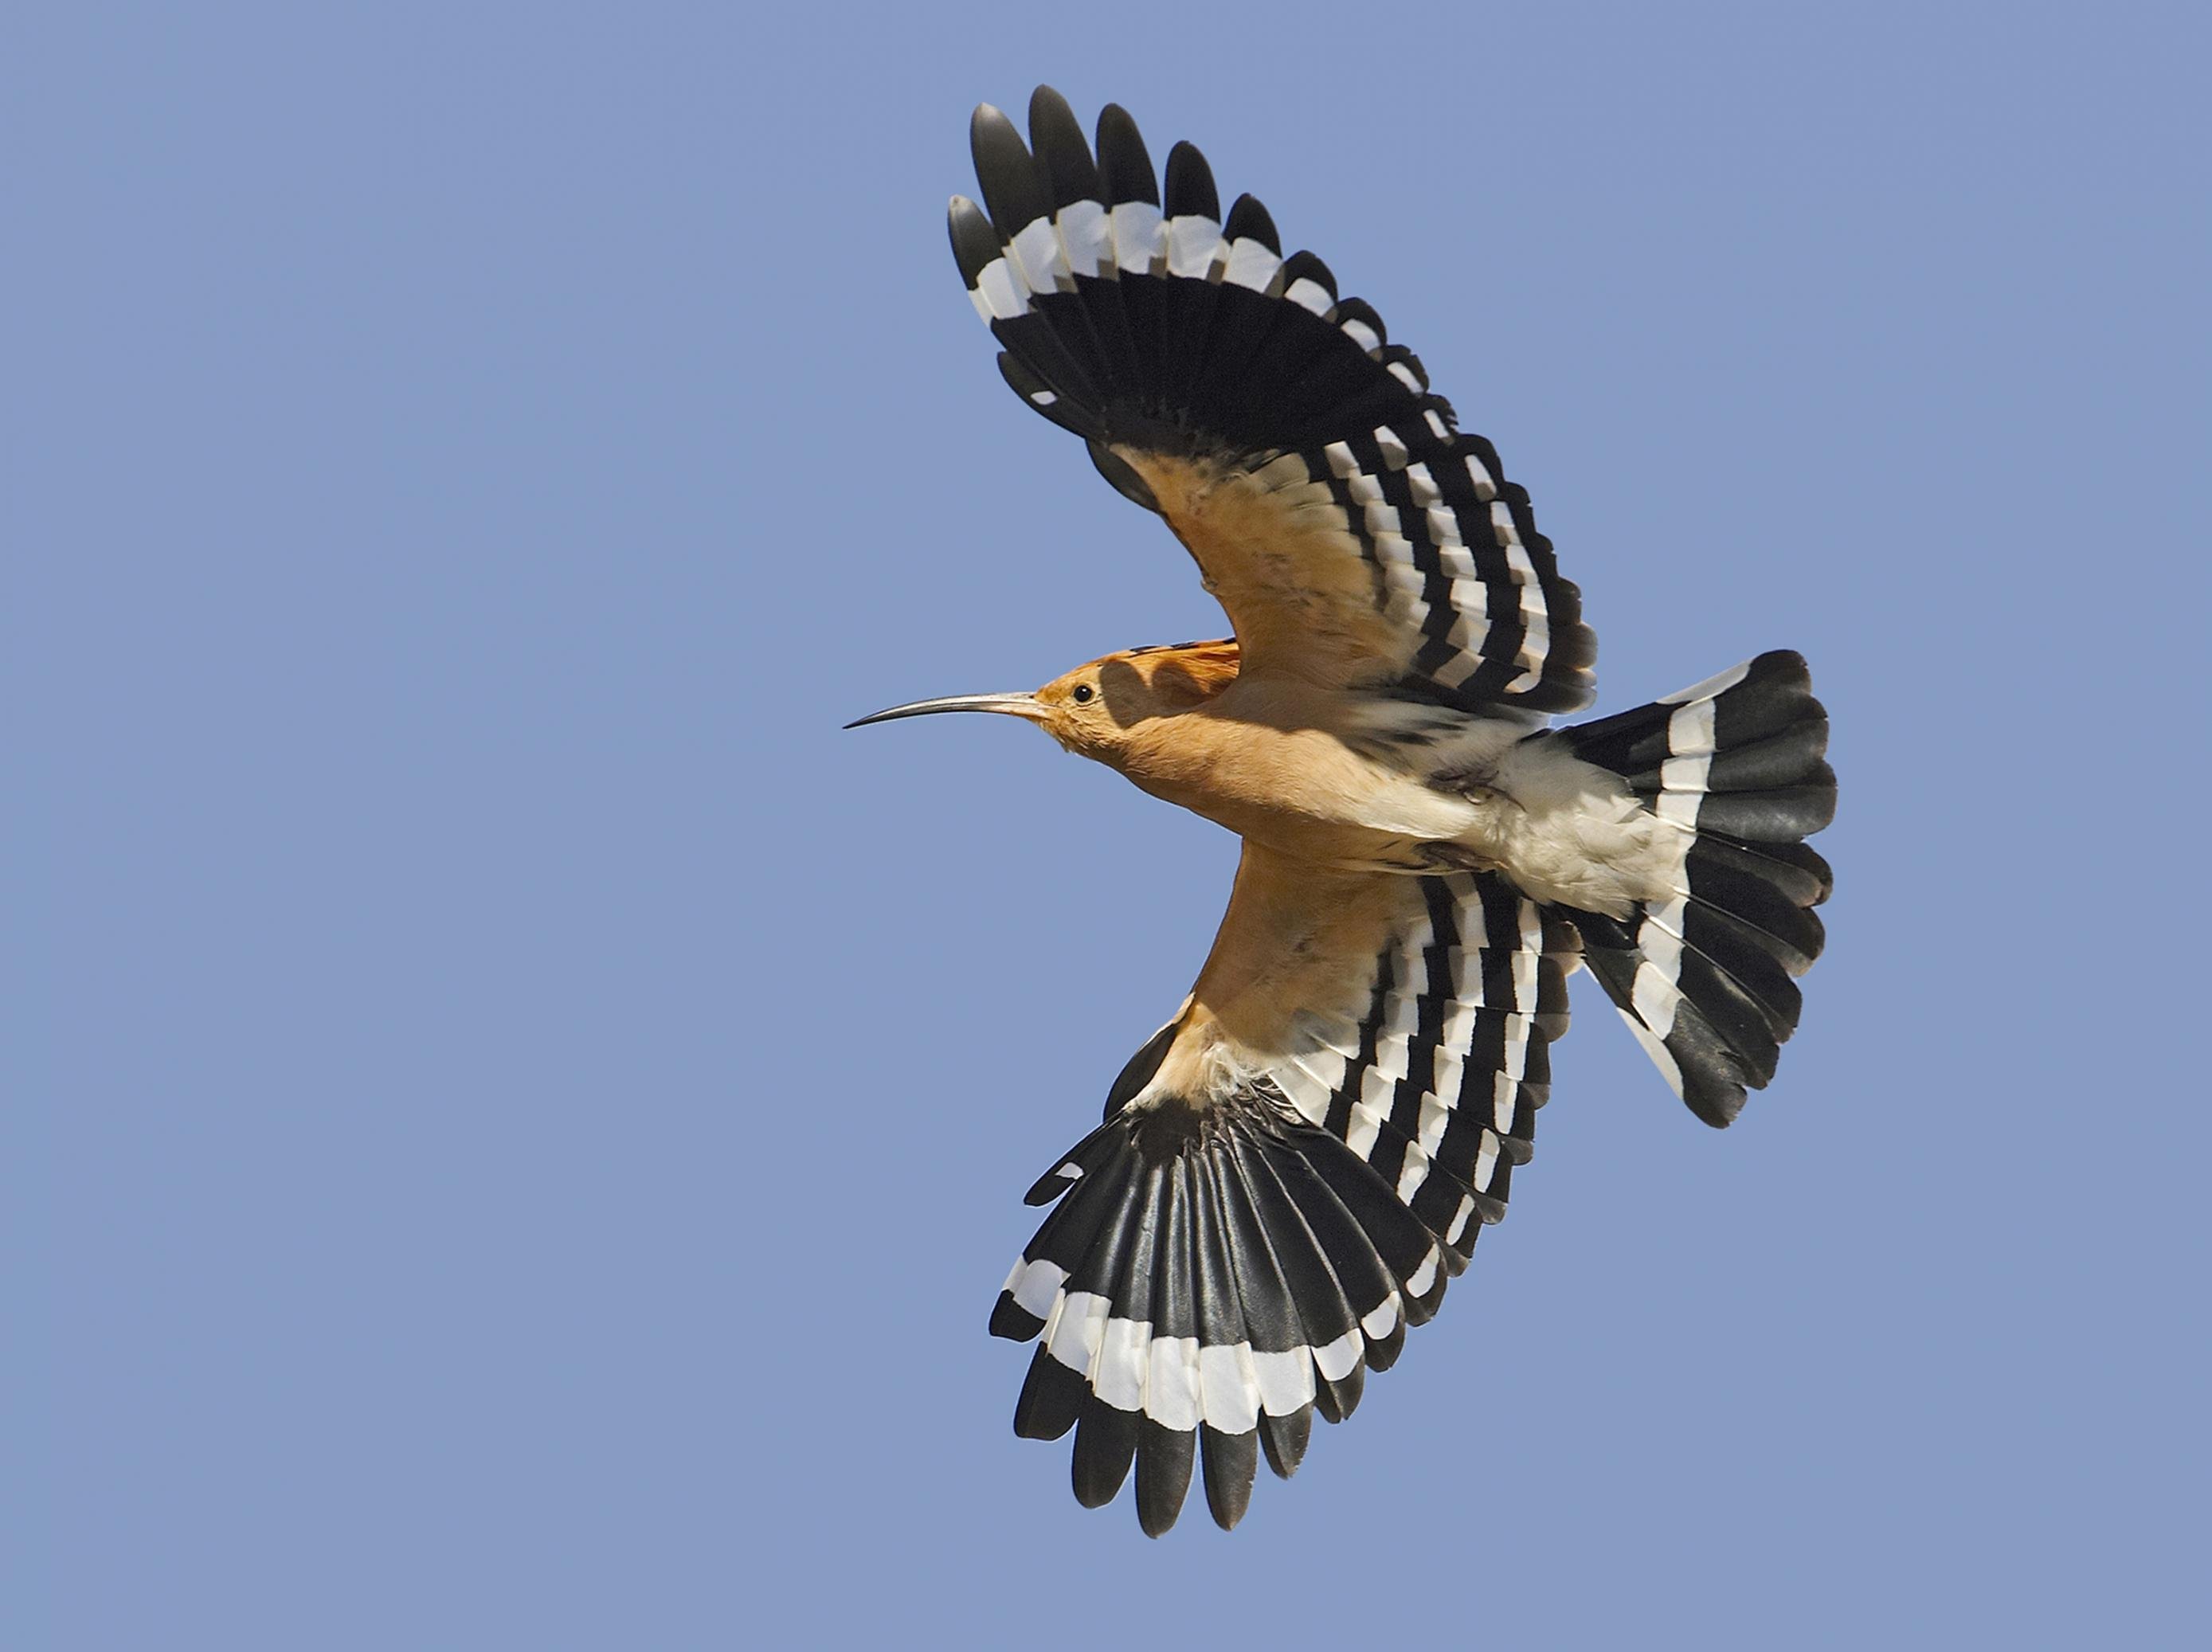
(1095,709)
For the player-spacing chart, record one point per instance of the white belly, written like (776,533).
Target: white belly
(1570,832)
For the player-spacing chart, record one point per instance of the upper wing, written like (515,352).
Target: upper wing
(1354,536)
(1287,1174)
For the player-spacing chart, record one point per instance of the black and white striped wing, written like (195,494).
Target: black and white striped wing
(1354,534)
(1219,1268)
(1437,1084)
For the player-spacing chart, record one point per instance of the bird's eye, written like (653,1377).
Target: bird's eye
(1082,694)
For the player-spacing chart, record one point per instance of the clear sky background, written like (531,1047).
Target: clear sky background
(519,1121)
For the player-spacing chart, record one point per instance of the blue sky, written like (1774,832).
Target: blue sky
(521,1119)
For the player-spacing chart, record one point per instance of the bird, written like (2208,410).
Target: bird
(1294,1166)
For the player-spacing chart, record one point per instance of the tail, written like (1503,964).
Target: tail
(1209,1279)
(1704,979)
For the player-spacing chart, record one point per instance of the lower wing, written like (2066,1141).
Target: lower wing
(1288,1173)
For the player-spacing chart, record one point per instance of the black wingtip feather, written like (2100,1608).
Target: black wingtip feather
(1056,137)
(1336,1399)
(1190,191)
(1165,1458)
(1306,266)
(1105,1446)
(1384,1354)
(1053,1397)
(1397,355)
(1125,166)
(1249,220)
(1232,1462)
(1360,311)
(974,243)
(1284,1440)
(1010,1319)
(1011,188)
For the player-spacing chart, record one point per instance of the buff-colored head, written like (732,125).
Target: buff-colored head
(1096,709)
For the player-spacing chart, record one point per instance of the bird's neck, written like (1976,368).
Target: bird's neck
(1251,761)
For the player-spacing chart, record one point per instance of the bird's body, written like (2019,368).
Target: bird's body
(1362,781)
(1318,774)
(1292,1167)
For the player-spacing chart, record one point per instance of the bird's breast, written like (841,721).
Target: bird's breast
(1305,788)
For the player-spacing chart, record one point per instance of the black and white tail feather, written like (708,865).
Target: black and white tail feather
(1705,979)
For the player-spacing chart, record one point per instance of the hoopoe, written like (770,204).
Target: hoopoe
(1291,1168)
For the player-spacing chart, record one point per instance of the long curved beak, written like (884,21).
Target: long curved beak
(1013,705)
